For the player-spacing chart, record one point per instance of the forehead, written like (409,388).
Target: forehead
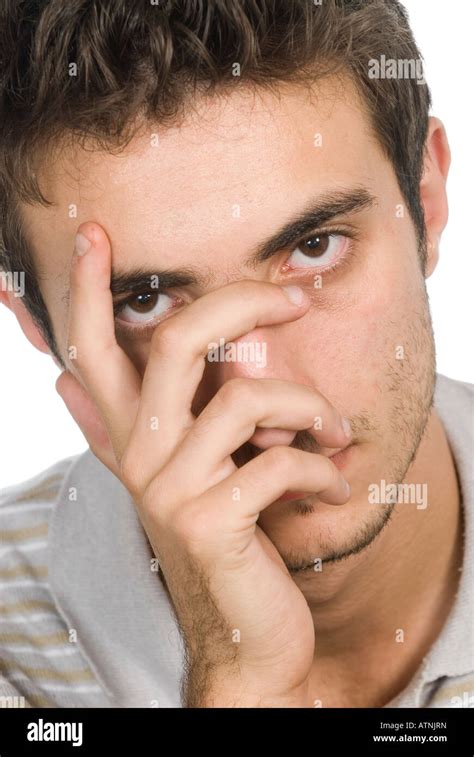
(211,188)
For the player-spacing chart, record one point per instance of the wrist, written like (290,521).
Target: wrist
(226,689)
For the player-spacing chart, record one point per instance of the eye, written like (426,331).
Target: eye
(144,307)
(320,250)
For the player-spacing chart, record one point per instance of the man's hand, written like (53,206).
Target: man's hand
(247,627)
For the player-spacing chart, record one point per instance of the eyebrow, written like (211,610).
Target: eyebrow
(320,211)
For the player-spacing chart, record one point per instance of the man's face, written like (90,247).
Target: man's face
(203,198)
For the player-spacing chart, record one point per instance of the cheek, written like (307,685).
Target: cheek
(340,355)
(349,339)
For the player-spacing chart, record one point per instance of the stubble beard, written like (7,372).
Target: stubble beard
(410,383)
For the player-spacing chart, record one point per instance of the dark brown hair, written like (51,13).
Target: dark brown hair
(88,69)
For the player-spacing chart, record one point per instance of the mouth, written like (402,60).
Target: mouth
(340,457)
(288,496)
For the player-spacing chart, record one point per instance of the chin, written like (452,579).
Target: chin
(307,532)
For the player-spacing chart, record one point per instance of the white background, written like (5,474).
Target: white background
(36,429)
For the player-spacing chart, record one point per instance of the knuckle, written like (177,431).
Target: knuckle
(206,421)
(130,475)
(195,529)
(238,391)
(153,506)
(158,496)
(279,459)
(183,524)
(165,337)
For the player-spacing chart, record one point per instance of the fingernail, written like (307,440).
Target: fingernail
(294,294)
(346,425)
(81,245)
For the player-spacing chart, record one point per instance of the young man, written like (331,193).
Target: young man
(225,215)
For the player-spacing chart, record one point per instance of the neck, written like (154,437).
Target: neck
(396,594)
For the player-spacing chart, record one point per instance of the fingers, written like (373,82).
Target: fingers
(146,422)
(231,417)
(96,358)
(268,476)
(177,357)
(235,503)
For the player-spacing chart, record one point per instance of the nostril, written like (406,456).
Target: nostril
(264,438)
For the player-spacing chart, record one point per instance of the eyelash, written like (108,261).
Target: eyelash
(341,261)
(140,328)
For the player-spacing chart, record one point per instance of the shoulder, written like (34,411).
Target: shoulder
(44,487)
(452,392)
(26,509)
(40,666)
(454,402)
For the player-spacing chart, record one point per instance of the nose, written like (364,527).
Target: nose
(258,354)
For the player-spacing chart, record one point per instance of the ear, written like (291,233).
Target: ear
(27,324)
(433,189)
